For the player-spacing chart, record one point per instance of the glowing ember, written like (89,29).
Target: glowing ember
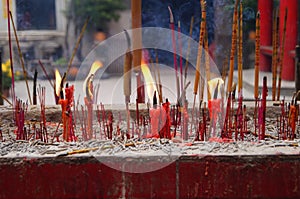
(149,82)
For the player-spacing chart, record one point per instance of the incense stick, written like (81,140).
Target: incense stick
(257,55)
(158,75)
(34,87)
(21,57)
(233,47)
(77,44)
(199,56)
(46,74)
(10,53)
(174,51)
(188,50)
(180,56)
(207,64)
(5,99)
(127,70)
(282,54)
(275,52)
(240,51)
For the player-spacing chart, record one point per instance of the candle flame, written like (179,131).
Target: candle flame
(149,82)
(95,66)
(57,82)
(215,83)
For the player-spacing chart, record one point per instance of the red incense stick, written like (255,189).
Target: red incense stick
(10,53)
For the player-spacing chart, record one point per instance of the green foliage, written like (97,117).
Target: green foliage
(100,11)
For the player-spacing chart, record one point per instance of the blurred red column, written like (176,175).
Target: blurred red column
(266,9)
(288,71)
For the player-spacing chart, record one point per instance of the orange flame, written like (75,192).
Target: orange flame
(149,82)
(57,82)
(95,66)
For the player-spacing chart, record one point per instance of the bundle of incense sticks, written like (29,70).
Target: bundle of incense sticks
(42,97)
(20,112)
(257,54)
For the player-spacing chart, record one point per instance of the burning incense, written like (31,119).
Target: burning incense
(127,70)
(275,52)
(257,54)
(282,54)
(188,50)
(233,46)
(10,53)
(174,51)
(77,44)
(240,51)
(21,57)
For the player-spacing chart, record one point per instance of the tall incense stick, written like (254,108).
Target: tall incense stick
(180,56)
(77,44)
(257,54)
(21,57)
(207,63)
(174,51)
(10,53)
(188,50)
(275,52)
(240,51)
(282,54)
(199,56)
(233,47)
(159,80)
(127,70)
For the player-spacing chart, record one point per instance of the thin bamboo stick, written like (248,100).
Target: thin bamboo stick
(240,50)
(77,44)
(275,52)
(282,54)
(257,54)
(188,50)
(233,47)
(21,57)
